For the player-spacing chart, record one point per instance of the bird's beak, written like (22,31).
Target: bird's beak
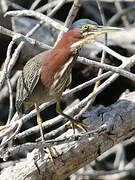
(104,29)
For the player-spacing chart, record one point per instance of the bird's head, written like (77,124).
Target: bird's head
(84,30)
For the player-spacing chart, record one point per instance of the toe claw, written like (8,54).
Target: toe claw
(81,126)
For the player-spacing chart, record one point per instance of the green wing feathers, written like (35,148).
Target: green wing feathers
(27,82)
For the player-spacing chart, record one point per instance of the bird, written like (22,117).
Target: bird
(46,75)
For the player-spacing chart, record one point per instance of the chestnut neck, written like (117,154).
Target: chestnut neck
(68,39)
(57,57)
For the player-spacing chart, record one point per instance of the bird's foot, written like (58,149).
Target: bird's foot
(52,153)
(80,125)
(41,153)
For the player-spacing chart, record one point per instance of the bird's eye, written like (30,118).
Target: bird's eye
(85,27)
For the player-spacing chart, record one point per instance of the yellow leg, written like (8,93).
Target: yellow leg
(73,121)
(39,121)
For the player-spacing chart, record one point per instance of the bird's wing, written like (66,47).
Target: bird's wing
(27,82)
(31,75)
(21,94)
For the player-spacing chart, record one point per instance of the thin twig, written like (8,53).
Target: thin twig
(11,107)
(119,69)
(13,135)
(119,8)
(18,36)
(4,5)
(104,173)
(70,18)
(128,64)
(7,60)
(34,4)
(117,16)
(50,5)
(15,6)
(37,15)
(56,8)
(110,51)
(4,92)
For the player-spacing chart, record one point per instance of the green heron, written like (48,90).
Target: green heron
(46,75)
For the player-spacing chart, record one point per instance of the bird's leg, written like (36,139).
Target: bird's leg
(74,123)
(39,121)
